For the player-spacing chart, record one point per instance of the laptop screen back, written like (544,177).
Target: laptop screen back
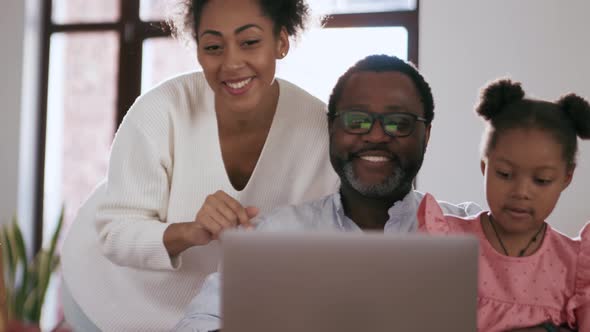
(348,282)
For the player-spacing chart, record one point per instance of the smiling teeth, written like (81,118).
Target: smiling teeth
(239,85)
(374,159)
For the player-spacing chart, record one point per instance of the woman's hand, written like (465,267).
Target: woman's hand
(219,212)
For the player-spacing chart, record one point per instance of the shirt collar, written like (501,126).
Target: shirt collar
(402,215)
(342,221)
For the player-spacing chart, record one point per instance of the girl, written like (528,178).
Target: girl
(198,154)
(530,275)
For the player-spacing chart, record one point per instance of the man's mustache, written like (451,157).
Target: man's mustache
(371,147)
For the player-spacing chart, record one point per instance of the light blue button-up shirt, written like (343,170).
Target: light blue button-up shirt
(203,313)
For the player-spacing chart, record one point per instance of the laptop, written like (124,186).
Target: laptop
(345,282)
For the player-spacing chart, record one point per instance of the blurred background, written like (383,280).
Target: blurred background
(70,69)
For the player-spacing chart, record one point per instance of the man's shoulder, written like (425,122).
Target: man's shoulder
(464,209)
(311,215)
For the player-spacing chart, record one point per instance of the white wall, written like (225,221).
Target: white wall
(545,44)
(12,16)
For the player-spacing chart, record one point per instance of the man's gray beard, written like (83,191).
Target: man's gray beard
(383,189)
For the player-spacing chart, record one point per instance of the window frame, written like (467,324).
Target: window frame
(132,32)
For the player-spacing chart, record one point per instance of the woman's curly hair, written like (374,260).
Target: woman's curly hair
(293,15)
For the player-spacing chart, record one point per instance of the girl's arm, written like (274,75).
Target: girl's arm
(543,329)
(582,311)
(583,317)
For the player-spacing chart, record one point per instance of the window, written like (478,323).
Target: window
(92,55)
(362,6)
(80,117)
(347,45)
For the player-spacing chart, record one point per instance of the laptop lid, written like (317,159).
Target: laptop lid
(348,282)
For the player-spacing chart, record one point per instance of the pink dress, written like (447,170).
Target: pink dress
(553,284)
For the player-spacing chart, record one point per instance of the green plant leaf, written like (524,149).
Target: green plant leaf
(22,293)
(19,243)
(30,307)
(49,262)
(32,271)
(23,287)
(8,257)
(32,297)
(44,268)
(17,254)
(27,280)
(55,263)
(56,232)
(43,276)
(9,303)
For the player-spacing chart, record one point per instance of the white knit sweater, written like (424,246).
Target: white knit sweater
(165,160)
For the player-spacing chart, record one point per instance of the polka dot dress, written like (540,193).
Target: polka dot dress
(552,284)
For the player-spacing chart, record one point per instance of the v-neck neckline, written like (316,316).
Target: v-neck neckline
(266,146)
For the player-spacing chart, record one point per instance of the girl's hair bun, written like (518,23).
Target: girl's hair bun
(578,109)
(496,95)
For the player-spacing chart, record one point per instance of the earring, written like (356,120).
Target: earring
(283,54)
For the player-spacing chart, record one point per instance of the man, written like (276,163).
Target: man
(380,115)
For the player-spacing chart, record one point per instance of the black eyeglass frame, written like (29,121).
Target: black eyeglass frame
(380,117)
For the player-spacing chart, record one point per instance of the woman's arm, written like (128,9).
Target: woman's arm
(131,220)
(219,212)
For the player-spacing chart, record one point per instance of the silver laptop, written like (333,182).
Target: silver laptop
(312,282)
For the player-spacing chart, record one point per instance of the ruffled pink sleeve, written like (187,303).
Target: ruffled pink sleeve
(579,305)
(430,217)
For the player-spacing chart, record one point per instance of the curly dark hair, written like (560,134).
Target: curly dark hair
(385,63)
(504,106)
(293,15)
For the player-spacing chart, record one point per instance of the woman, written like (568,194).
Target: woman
(198,154)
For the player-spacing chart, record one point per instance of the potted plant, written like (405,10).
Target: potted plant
(25,280)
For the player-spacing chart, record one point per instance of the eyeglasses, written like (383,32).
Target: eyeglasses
(396,124)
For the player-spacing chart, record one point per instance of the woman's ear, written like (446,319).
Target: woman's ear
(483,166)
(283,43)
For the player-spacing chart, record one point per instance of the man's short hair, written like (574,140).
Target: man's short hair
(385,63)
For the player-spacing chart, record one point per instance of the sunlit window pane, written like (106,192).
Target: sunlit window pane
(316,67)
(84,11)
(80,117)
(80,126)
(164,58)
(360,6)
(156,10)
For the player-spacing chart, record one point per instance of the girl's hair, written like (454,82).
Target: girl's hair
(293,15)
(504,106)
